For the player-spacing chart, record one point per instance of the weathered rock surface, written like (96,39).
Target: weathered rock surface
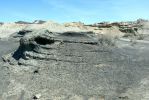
(73,65)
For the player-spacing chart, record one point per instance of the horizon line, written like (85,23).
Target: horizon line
(56,21)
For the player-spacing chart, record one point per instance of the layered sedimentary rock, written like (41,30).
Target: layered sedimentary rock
(45,45)
(129,29)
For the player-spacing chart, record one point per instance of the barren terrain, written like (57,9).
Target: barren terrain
(73,61)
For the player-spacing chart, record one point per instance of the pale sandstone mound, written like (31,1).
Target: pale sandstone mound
(9,28)
(76,24)
(53,26)
(138,29)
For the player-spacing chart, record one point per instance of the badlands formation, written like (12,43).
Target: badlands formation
(44,60)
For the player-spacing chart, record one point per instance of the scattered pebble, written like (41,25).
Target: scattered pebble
(37,96)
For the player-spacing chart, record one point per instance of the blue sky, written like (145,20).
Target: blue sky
(88,11)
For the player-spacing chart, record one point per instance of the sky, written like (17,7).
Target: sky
(87,11)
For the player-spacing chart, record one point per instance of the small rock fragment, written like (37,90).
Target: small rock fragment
(37,96)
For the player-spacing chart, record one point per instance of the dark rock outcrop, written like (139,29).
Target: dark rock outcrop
(1,23)
(23,22)
(39,22)
(40,41)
